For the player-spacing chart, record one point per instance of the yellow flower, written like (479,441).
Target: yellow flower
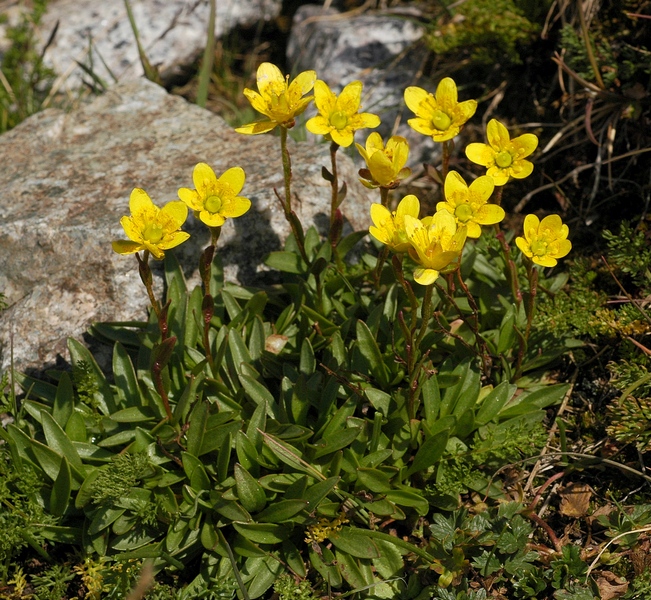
(544,241)
(440,116)
(386,165)
(152,228)
(215,200)
(469,204)
(389,227)
(502,156)
(435,243)
(338,117)
(279,100)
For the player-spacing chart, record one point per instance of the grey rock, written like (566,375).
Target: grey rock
(172,32)
(383,51)
(66,180)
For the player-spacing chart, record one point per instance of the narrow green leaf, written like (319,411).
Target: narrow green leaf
(263,533)
(76,428)
(250,493)
(196,472)
(133,414)
(429,453)
(348,540)
(126,382)
(336,441)
(64,400)
(538,399)
(281,511)
(60,494)
(371,352)
(197,428)
(58,441)
(83,360)
(308,361)
(493,403)
(287,262)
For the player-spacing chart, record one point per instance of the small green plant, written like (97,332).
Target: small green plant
(472,28)
(25,81)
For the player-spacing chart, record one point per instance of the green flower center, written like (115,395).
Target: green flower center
(463,212)
(153,233)
(339,120)
(440,120)
(539,248)
(504,159)
(213,204)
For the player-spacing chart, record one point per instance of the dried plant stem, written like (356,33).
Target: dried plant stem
(335,231)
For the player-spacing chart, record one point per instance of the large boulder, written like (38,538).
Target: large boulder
(66,180)
(173,34)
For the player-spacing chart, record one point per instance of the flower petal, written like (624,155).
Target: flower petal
(235,207)
(497,135)
(414,96)
(126,247)
(175,213)
(234,178)
(350,98)
(409,205)
(480,154)
(269,77)
(489,214)
(324,98)
(379,214)
(524,145)
(303,82)
(257,127)
(425,276)
(204,179)
(482,188)
(446,94)
(191,198)
(318,125)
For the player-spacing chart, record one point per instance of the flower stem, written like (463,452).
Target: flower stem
(532,275)
(290,215)
(208,304)
(445,159)
(335,230)
(163,351)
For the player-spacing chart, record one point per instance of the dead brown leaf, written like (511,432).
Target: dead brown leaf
(611,586)
(575,500)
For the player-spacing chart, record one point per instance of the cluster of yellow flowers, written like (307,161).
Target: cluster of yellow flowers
(434,242)
(324,528)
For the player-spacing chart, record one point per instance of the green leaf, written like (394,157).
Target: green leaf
(373,480)
(282,510)
(126,382)
(133,414)
(538,399)
(315,494)
(82,358)
(350,541)
(60,494)
(336,441)
(307,362)
(325,564)
(431,400)
(64,400)
(257,392)
(62,535)
(287,262)
(266,571)
(76,428)
(429,453)
(263,533)
(197,429)
(250,493)
(371,352)
(196,472)
(59,441)
(350,569)
(493,403)
(507,333)
(409,497)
